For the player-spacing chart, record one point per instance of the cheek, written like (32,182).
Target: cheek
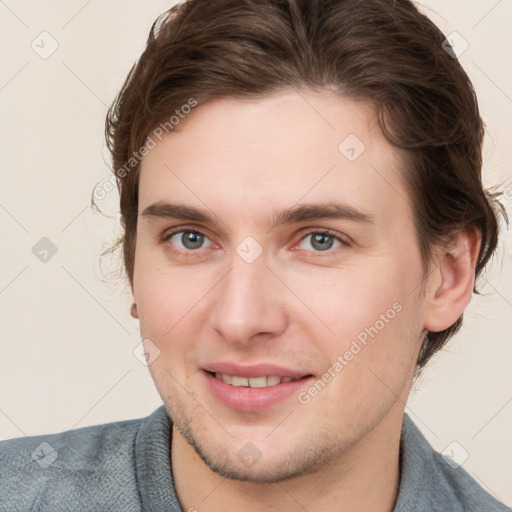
(349,299)
(167,298)
(372,315)
(372,355)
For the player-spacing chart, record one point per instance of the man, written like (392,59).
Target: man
(304,221)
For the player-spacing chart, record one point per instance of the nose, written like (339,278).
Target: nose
(249,304)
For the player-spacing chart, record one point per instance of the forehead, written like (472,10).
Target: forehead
(245,157)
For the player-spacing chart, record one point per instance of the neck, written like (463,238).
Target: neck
(365,477)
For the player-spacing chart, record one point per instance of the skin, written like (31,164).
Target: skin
(295,305)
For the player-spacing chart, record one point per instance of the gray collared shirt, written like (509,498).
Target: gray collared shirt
(125,465)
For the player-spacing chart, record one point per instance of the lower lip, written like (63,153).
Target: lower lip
(247,399)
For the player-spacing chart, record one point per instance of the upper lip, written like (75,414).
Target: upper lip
(257,370)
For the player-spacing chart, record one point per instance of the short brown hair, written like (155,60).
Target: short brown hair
(384,52)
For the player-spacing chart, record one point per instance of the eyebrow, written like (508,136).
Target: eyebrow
(295,214)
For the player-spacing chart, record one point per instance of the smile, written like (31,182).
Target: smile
(254,394)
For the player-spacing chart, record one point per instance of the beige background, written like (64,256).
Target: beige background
(67,337)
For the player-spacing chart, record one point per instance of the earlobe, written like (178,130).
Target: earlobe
(453,281)
(133,309)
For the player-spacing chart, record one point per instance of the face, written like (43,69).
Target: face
(293,256)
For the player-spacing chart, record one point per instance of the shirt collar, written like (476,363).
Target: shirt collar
(153,463)
(415,454)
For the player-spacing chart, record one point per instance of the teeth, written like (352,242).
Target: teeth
(258,382)
(253,382)
(226,378)
(239,381)
(272,381)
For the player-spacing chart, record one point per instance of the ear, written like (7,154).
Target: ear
(133,308)
(451,284)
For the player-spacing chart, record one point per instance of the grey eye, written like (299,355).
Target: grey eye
(188,239)
(320,241)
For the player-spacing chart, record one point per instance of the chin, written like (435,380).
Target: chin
(253,462)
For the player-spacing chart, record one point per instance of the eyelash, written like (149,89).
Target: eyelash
(167,236)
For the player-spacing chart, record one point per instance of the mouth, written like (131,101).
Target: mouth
(256,392)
